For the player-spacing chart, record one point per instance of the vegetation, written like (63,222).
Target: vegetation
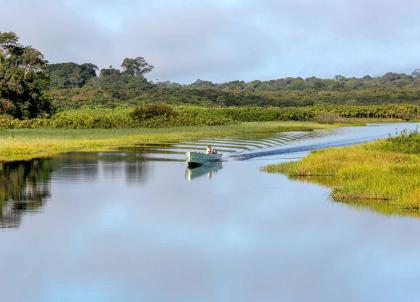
(112,83)
(116,87)
(18,144)
(383,175)
(70,75)
(114,93)
(150,111)
(113,86)
(161,115)
(24,79)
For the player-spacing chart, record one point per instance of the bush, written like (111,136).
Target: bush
(150,111)
(6,122)
(407,142)
(92,117)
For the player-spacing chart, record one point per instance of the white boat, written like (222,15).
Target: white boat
(196,159)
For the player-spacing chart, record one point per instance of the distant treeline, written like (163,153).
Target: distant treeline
(77,97)
(72,75)
(77,85)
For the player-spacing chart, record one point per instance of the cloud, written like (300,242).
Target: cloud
(226,39)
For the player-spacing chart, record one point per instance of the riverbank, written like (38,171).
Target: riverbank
(25,144)
(383,175)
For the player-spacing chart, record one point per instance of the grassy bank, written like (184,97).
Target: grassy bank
(16,144)
(383,175)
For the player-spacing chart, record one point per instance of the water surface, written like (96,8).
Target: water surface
(136,225)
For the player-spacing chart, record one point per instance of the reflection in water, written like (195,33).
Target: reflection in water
(209,169)
(24,187)
(136,172)
(87,167)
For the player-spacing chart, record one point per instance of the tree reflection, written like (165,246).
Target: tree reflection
(92,166)
(24,187)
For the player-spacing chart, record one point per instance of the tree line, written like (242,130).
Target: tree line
(72,75)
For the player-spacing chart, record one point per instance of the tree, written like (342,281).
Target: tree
(111,73)
(87,71)
(339,78)
(202,84)
(64,75)
(8,41)
(130,82)
(71,75)
(136,67)
(24,79)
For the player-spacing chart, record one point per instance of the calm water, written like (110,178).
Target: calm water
(136,225)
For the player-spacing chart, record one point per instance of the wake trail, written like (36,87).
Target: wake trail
(301,148)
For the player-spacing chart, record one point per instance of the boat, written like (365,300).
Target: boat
(197,159)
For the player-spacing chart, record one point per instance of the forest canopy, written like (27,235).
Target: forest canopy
(113,86)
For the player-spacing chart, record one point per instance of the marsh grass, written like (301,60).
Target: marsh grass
(383,175)
(161,115)
(17,144)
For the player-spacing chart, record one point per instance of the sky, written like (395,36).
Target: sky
(224,40)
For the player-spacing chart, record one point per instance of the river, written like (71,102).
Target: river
(136,225)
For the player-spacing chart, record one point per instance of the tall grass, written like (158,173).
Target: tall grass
(384,175)
(132,117)
(119,117)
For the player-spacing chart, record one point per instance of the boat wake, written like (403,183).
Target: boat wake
(263,146)
(298,148)
(230,147)
(341,137)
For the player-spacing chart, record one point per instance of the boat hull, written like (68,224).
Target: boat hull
(196,159)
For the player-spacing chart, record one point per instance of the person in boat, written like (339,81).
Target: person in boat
(210,150)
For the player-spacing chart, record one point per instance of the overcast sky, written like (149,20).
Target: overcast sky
(222,40)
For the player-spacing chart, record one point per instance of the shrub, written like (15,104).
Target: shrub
(6,122)
(149,111)
(407,142)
